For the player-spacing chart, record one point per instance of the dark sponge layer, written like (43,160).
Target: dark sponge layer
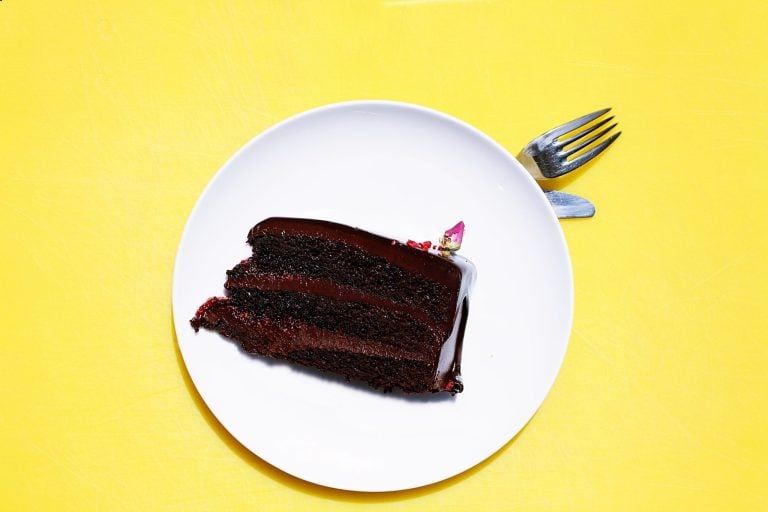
(360,320)
(347,265)
(380,369)
(379,372)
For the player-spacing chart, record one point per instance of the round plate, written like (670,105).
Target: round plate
(402,171)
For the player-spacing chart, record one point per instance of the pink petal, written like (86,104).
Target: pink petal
(456,233)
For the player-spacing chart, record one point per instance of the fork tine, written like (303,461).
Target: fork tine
(572,125)
(581,134)
(589,141)
(592,153)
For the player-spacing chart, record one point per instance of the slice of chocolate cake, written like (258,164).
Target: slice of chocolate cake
(346,301)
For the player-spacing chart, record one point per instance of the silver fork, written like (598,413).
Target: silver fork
(546,156)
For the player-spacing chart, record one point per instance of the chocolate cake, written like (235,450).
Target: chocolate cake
(342,300)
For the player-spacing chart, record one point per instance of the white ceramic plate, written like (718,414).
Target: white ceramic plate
(407,172)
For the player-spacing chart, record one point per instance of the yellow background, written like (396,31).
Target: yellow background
(115,114)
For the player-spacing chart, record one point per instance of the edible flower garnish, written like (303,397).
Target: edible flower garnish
(451,240)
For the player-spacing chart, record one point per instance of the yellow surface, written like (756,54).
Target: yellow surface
(114,115)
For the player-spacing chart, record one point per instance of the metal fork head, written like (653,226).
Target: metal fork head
(551,154)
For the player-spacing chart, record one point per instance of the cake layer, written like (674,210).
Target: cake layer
(347,265)
(431,266)
(255,332)
(248,275)
(379,364)
(380,372)
(358,319)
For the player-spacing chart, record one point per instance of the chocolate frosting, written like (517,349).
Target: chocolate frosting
(434,267)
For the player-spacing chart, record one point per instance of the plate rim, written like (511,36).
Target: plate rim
(561,241)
